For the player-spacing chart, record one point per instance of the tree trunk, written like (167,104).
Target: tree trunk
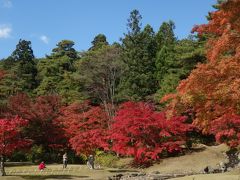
(2,169)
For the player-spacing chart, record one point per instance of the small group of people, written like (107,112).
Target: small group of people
(90,162)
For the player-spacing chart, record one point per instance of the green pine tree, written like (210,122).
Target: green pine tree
(139,50)
(21,70)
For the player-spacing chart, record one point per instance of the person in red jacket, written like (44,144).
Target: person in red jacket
(41,166)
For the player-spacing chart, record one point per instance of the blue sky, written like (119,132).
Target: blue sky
(46,22)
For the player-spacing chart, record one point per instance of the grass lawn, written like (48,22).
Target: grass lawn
(193,162)
(57,172)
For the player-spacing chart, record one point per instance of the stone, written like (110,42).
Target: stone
(238,156)
(223,167)
(238,164)
(211,170)
(206,170)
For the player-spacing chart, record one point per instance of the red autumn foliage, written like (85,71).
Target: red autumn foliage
(10,135)
(86,127)
(140,131)
(227,129)
(40,113)
(212,90)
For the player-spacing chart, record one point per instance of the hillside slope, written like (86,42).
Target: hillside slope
(193,162)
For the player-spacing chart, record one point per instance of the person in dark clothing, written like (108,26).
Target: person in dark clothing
(91,161)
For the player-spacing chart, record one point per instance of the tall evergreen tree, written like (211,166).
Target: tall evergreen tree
(139,49)
(56,73)
(175,63)
(165,35)
(134,23)
(64,48)
(165,58)
(21,70)
(23,51)
(175,58)
(98,42)
(26,66)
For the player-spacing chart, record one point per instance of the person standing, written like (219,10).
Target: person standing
(65,159)
(91,160)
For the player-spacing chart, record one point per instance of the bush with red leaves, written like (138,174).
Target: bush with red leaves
(141,132)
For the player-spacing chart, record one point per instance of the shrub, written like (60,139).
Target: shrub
(141,132)
(106,159)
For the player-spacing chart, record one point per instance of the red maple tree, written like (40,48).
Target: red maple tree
(86,127)
(40,112)
(227,129)
(140,131)
(11,138)
(212,90)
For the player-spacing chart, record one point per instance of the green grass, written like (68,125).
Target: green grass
(47,177)
(57,172)
(192,162)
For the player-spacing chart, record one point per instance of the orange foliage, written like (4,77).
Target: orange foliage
(224,28)
(212,90)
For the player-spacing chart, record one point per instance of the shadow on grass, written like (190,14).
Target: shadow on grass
(121,171)
(52,177)
(12,164)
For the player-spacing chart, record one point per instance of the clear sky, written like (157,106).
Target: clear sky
(46,22)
